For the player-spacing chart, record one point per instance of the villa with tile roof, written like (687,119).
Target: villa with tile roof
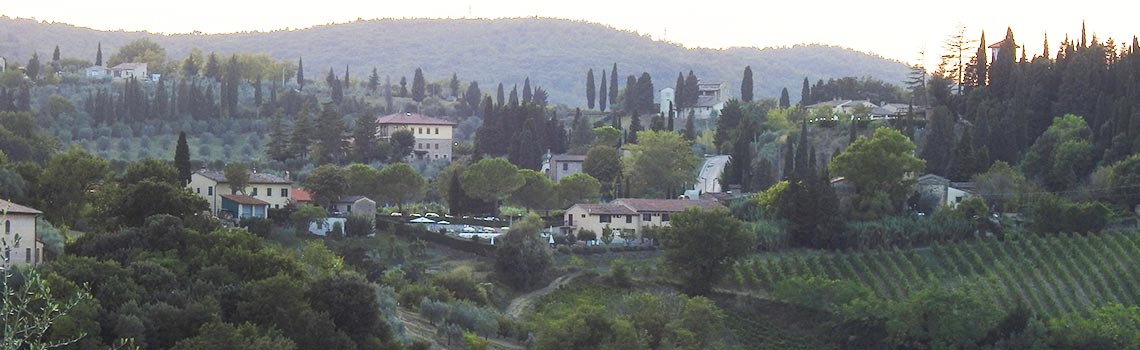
(628,215)
(434,136)
(21,242)
(211,185)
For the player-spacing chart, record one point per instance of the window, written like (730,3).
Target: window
(419,130)
(27,255)
(565,166)
(604,218)
(437,146)
(254,193)
(7,227)
(269,192)
(646,217)
(437,131)
(284,192)
(198,190)
(629,219)
(570,220)
(210,190)
(664,217)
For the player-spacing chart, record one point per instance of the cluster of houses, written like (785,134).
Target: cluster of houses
(873,111)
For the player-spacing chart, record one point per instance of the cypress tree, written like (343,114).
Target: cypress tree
(789,158)
(785,100)
(1001,69)
(746,86)
(403,86)
(373,81)
(347,81)
(419,86)
(454,85)
(514,99)
(182,158)
(634,127)
(692,89)
(980,66)
(964,164)
(603,91)
(805,94)
(278,147)
(299,142)
(527,95)
(645,93)
(364,138)
(802,154)
(629,104)
(99,54)
(679,91)
(55,54)
(388,94)
(672,114)
(257,91)
(329,136)
(301,72)
(613,86)
(500,97)
(213,67)
(590,89)
(690,127)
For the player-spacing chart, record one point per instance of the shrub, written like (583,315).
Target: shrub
(587,235)
(261,227)
(358,226)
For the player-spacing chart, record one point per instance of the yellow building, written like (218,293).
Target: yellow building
(211,185)
(21,243)
(627,216)
(434,136)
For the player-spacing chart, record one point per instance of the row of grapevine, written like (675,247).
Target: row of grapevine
(1051,275)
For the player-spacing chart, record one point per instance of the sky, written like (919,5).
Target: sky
(894,29)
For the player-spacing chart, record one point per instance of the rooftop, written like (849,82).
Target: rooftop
(411,118)
(9,207)
(245,200)
(350,199)
(664,205)
(300,195)
(254,178)
(129,65)
(602,209)
(567,158)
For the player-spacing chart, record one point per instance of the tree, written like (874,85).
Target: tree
(362,179)
(785,100)
(590,89)
(373,81)
(523,256)
(140,50)
(613,87)
(941,317)
(883,164)
(99,54)
(453,86)
(690,127)
(418,86)
(492,179)
(131,202)
(302,133)
(224,336)
(237,174)
(1062,155)
(805,93)
(939,139)
(1126,181)
(190,66)
(301,72)
(31,310)
(578,188)
(327,183)
(182,158)
(746,86)
(364,142)
(527,95)
(66,182)
(400,184)
(701,246)
(603,163)
(660,165)
(581,133)
(32,70)
(403,143)
(603,91)
(307,214)
(537,191)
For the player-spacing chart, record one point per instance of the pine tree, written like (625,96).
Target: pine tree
(55,54)
(299,142)
(403,87)
(602,92)
(527,95)
(330,135)
(364,139)
(418,86)
(301,72)
(785,100)
(99,54)
(613,87)
(454,85)
(690,127)
(590,89)
(278,147)
(805,94)
(746,86)
(182,158)
(634,127)
(373,81)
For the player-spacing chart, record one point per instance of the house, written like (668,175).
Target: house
(97,72)
(434,136)
(236,206)
(21,242)
(211,185)
(935,191)
(711,96)
(129,70)
(300,196)
(563,165)
(628,216)
(354,205)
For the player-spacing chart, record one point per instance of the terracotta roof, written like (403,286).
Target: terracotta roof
(9,207)
(411,118)
(567,158)
(254,178)
(246,200)
(664,205)
(129,65)
(300,195)
(598,209)
(998,44)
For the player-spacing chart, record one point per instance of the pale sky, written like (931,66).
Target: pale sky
(895,29)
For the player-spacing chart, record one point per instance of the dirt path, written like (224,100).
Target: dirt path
(522,303)
(419,328)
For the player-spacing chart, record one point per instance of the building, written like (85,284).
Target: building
(97,72)
(236,206)
(354,205)
(129,70)
(21,242)
(563,165)
(434,136)
(211,185)
(935,191)
(711,97)
(299,196)
(628,216)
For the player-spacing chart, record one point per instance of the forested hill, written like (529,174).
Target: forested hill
(554,53)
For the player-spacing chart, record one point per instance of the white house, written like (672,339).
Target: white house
(563,165)
(628,216)
(354,205)
(211,185)
(129,70)
(21,242)
(236,206)
(940,190)
(97,72)
(711,96)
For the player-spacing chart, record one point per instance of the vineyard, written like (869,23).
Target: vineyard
(1051,275)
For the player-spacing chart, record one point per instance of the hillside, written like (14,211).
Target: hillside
(554,53)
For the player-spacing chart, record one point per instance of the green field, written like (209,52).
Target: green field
(1049,275)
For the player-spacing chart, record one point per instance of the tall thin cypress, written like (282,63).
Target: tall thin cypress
(603,91)
(785,100)
(805,94)
(99,55)
(182,158)
(613,86)
(746,85)
(301,72)
(590,89)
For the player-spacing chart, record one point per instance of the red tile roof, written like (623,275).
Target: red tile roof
(254,178)
(601,209)
(242,199)
(411,118)
(9,207)
(664,205)
(300,195)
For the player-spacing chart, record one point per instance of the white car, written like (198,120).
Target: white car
(397,214)
(432,215)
